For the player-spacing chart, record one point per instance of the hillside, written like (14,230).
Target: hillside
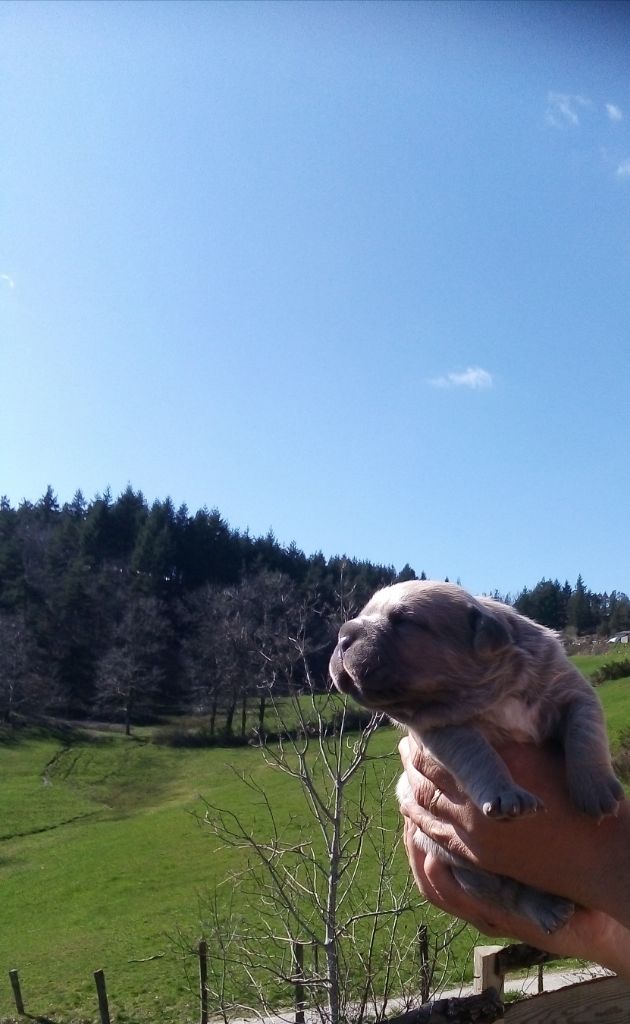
(104,862)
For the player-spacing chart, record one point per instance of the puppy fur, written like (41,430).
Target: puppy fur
(463,674)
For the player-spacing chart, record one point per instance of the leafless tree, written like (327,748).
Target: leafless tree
(17,689)
(130,674)
(326,879)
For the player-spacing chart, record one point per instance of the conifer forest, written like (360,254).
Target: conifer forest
(117,610)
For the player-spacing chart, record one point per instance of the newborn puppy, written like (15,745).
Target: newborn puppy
(463,673)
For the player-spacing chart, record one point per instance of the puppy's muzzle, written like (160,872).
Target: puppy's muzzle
(338,673)
(355,664)
(349,633)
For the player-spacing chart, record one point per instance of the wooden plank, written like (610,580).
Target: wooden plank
(601,1001)
(481,1009)
(486,973)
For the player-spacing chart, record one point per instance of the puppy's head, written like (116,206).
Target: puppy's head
(419,650)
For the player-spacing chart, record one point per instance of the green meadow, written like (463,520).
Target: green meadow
(104,863)
(614,694)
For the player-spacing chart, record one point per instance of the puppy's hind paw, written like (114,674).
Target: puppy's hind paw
(548,912)
(543,909)
(512,803)
(596,793)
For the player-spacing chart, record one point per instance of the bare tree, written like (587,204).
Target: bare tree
(326,879)
(130,675)
(18,689)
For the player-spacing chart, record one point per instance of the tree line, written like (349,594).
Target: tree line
(118,609)
(121,610)
(575,610)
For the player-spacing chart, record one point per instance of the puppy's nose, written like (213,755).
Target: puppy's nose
(349,632)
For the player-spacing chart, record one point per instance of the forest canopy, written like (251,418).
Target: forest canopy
(120,610)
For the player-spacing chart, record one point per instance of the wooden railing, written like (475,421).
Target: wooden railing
(604,999)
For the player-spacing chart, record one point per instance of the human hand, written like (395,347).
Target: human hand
(559,850)
(589,934)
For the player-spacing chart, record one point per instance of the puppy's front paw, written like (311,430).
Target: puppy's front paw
(512,803)
(596,792)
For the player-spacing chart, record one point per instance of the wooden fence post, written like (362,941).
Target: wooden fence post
(425,964)
(300,1002)
(101,991)
(486,974)
(17,993)
(203,980)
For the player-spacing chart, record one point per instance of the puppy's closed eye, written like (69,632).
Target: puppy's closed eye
(404,618)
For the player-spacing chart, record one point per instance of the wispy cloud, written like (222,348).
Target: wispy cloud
(564,109)
(8,281)
(623,169)
(614,112)
(473,378)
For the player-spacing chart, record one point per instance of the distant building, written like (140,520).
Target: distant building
(621,638)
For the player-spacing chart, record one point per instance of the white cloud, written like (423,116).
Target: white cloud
(8,281)
(474,378)
(623,169)
(614,112)
(563,109)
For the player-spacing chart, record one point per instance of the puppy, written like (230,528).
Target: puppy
(464,673)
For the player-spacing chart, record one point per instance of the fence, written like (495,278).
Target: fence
(604,999)
(103,1002)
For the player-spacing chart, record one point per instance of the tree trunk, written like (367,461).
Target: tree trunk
(331,945)
(229,718)
(213,713)
(128,707)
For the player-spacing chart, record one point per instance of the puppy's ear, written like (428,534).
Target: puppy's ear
(490,634)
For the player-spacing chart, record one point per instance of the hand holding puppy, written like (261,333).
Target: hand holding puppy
(561,851)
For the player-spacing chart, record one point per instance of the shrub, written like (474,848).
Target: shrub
(621,757)
(617,669)
(200,737)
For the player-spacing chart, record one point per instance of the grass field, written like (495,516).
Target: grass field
(615,694)
(103,863)
(589,663)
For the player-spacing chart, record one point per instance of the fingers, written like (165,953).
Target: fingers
(433,805)
(435,881)
(423,798)
(420,766)
(438,829)
(437,884)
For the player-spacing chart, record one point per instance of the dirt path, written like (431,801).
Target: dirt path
(526,986)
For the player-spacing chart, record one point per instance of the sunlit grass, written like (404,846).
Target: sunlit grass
(123,866)
(104,863)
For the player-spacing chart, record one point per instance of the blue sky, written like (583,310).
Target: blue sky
(357,272)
